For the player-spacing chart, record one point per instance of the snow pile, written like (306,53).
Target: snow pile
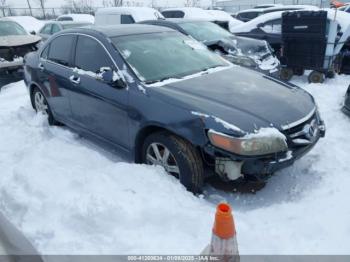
(71,197)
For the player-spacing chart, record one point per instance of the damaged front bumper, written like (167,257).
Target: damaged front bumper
(231,167)
(10,65)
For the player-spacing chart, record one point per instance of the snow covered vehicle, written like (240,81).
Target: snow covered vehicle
(151,93)
(247,52)
(346,107)
(125,15)
(219,17)
(15,43)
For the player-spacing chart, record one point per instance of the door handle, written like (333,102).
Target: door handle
(74,79)
(41,67)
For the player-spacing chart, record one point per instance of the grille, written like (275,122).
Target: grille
(305,133)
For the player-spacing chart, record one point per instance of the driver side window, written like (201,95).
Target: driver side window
(87,46)
(272,27)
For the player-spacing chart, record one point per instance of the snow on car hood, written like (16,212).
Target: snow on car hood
(18,40)
(241,97)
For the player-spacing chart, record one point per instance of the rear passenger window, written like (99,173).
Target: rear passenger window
(46,30)
(61,49)
(126,19)
(45,53)
(55,29)
(173,14)
(87,46)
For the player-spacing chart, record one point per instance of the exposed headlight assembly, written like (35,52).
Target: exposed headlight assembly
(263,143)
(242,60)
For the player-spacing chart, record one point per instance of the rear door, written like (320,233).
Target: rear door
(55,68)
(97,106)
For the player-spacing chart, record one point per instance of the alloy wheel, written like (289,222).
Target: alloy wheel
(158,154)
(40,103)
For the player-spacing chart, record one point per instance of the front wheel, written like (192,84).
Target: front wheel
(177,156)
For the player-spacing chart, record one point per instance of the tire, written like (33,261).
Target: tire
(44,108)
(330,74)
(298,71)
(286,74)
(316,77)
(181,154)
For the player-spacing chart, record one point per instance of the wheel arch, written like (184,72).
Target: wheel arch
(151,129)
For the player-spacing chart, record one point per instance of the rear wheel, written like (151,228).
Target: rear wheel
(40,105)
(177,156)
(316,77)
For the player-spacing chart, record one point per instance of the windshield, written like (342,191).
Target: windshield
(205,31)
(160,56)
(67,26)
(11,28)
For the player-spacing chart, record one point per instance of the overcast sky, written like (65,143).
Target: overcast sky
(58,3)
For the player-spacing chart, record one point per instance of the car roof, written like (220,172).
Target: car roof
(122,30)
(177,21)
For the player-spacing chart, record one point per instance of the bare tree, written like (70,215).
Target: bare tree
(78,7)
(42,6)
(30,8)
(3,5)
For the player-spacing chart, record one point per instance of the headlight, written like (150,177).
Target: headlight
(250,145)
(242,60)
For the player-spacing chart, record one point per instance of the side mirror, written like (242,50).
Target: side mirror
(111,77)
(33,32)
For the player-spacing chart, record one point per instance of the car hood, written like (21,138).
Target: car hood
(18,40)
(241,97)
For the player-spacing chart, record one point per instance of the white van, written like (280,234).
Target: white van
(125,15)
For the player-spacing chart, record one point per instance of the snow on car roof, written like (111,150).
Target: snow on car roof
(223,16)
(80,17)
(138,13)
(29,23)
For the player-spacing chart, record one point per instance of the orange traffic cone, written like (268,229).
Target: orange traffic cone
(223,242)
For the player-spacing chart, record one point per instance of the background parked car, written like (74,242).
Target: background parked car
(269,27)
(125,15)
(29,23)
(250,14)
(53,27)
(225,18)
(251,53)
(82,18)
(189,111)
(15,43)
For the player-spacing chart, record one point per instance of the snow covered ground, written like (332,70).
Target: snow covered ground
(70,196)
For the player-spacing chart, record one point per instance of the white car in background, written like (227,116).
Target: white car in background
(219,17)
(125,15)
(222,16)
(82,18)
(29,23)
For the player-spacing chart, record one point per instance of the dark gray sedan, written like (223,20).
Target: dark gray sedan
(162,99)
